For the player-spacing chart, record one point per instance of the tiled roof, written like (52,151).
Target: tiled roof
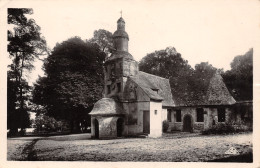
(218,93)
(155,87)
(214,93)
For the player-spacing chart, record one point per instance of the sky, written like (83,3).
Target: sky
(202,31)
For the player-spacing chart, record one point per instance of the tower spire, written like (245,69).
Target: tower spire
(121,12)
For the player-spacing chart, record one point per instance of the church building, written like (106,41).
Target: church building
(134,100)
(137,103)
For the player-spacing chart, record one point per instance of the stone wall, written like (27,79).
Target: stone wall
(136,128)
(210,117)
(107,126)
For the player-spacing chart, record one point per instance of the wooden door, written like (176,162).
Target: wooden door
(187,124)
(96,128)
(120,127)
(146,122)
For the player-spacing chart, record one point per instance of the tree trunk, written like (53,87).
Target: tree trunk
(71,126)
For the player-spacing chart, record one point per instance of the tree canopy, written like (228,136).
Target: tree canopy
(25,45)
(104,39)
(240,78)
(191,84)
(169,64)
(74,80)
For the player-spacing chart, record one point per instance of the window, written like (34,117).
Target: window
(108,89)
(221,115)
(118,87)
(169,115)
(155,90)
(200,115)
(178,115)
(155,112)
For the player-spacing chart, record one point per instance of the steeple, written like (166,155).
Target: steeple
(120,37)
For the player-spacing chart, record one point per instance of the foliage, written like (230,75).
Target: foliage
(165,125)
(73,82)
(25,44)
(239,79)
(190,84)
(104,39)
(199,80)
(44,123)
(227,128)
(169,64)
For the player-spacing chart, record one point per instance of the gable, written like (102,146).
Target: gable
(133,92)
(218,93)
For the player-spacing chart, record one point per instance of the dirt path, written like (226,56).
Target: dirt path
(21,148)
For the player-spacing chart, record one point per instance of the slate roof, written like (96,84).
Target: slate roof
(120,33)
(157,88)
(120,20)
(107,106)
(215,93)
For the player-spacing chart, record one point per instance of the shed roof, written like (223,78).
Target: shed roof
(155,87)
(107,106)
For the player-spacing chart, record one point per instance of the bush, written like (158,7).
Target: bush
(165,126)
(226,128)
(22,132)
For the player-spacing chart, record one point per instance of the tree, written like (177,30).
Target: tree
(169,64)
(73,82)
(104,39)
(25,44)
(239,79)
(199,81)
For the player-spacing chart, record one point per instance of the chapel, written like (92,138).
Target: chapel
(132,99)
(137,103)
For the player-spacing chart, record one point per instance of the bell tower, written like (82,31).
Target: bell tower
(120,64)
(120,37)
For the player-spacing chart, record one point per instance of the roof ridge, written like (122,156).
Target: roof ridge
(153,75)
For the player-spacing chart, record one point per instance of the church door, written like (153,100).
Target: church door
(120,127)
(187,124)
(96,128)
(146,122)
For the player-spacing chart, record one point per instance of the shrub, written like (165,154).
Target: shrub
(22,132)
(165,126)
(226,128)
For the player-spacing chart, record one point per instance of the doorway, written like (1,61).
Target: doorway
(146,122)
(120,127)
(96,128)
(187,126)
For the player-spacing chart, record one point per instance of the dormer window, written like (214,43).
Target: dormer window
(155,90)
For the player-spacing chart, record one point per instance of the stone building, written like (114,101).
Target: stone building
(214,105)
(136,102)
